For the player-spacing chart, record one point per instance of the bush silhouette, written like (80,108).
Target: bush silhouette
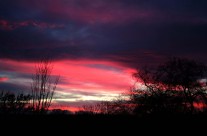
(14,104)
(173,87)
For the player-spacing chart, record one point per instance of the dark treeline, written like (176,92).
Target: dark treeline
(171,96)
(14,104)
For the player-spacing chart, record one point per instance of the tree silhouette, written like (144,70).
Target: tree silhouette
(173,87)
(43,87)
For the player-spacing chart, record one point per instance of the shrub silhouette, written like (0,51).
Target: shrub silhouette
(115,107)
(14,104)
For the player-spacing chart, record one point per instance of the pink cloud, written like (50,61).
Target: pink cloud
(3,79)
(107,11)
(8,25)
(111,15)
(86,75)
(89,11)
(79,75)
(14,66)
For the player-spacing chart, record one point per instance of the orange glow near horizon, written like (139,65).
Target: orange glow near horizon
(68,108)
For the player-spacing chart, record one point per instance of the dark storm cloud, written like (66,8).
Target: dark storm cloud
(11,87)
(33,43)
(131,32)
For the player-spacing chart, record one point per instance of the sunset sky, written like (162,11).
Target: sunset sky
(96,45)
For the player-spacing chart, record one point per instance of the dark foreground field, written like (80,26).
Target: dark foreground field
(103,124)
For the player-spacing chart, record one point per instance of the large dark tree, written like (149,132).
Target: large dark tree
(176,86)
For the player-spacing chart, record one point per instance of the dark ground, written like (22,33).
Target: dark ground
(100,124)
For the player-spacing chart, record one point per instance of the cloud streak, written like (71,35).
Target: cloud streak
(3,79)
(7,25)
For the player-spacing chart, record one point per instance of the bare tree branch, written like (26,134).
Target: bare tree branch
(43,86)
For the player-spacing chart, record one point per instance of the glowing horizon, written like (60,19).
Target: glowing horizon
(80,80)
